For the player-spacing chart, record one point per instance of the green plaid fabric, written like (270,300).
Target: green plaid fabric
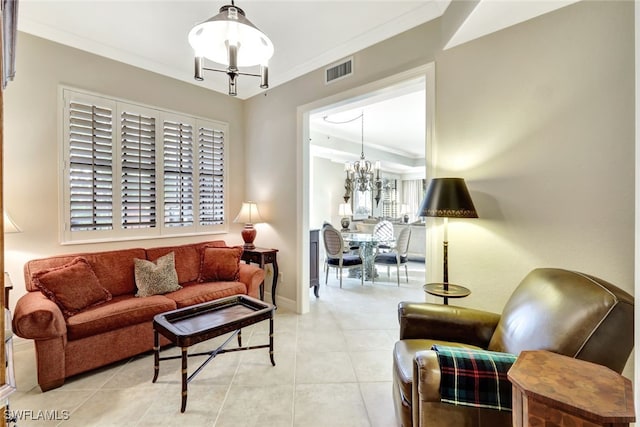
(473,377)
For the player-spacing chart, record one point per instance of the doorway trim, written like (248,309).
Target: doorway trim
(304,168)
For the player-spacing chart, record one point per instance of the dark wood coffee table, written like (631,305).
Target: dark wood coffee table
(191,325)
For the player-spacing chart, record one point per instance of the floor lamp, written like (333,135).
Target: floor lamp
(447,198)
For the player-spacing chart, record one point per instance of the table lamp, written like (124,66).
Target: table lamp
(249,215)
(447,198)
(344,210)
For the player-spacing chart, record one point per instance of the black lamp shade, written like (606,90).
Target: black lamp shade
(448,198)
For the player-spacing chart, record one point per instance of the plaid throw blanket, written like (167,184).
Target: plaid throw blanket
(475,377)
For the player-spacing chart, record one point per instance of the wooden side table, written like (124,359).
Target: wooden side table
(551,389)
(446,291)
(262,256)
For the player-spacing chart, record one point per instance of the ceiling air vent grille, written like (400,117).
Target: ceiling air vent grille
(338,71)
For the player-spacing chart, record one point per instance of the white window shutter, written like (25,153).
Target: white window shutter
(138,170)
(178,174)
(211,172)
(90,167)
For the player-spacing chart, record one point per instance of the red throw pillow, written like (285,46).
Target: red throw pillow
(220,264)
(73,286)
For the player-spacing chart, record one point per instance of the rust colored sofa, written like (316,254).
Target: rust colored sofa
(120,325)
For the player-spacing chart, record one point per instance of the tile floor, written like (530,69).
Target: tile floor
(333,368)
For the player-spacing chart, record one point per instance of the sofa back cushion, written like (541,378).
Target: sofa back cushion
(114,269)
(569,313)
(187,258)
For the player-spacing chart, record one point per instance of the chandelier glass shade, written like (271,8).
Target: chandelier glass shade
(230,39)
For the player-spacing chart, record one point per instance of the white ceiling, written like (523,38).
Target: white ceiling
(153,34)
(307,35)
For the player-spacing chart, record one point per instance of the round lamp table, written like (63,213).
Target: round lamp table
(446,291)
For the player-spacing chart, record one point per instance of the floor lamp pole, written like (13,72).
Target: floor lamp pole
(445,255)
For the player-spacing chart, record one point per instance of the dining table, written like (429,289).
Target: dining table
(367,243)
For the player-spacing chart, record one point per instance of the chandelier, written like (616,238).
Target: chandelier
(230,39)
(362,176)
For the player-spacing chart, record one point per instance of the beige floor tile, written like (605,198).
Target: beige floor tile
(319,368)
(379,403)
(362,340)
(255,368)
(372,366)
(336,405)
(321,341)
(263,406)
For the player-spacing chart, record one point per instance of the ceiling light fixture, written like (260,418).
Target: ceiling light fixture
(361,175)
(230,39)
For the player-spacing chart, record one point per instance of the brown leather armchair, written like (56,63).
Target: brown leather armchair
(566,312)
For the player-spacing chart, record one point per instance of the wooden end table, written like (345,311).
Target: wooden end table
(263,256)
(446,291)
(552,389)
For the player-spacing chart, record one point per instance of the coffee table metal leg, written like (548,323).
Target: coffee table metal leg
(239,337)
(184,379)
(156,355)
(273,362)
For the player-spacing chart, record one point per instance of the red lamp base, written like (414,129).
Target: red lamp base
(249,235)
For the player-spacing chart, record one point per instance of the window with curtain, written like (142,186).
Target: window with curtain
(413,191)
(133,171)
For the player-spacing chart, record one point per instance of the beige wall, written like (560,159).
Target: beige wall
(539,119)
(31,141)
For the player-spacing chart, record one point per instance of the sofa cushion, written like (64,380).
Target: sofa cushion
(220,264)
(121,311)
(196,293)
(187,258)
(73,286)
(156,278)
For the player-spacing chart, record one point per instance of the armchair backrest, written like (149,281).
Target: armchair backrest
(570,313)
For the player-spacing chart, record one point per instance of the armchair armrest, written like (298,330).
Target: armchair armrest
(420,320)
(252,276)
(37,317)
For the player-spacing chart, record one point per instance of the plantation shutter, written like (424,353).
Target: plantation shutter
(90,167)
(138,176)
(211,172)
(178,174)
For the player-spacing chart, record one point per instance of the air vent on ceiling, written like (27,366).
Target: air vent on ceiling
(339,70)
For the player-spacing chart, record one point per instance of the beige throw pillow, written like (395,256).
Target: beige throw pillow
(158,278)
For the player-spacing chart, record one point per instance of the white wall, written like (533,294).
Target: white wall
(327,189)
(31,138)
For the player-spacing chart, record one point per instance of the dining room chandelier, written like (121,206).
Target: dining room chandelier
(230,39)
(362,175)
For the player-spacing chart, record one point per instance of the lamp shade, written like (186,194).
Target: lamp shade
(230,27)
(248,214)
(344,209)
(447,198)
(9,225)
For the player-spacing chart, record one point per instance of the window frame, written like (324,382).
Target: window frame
(69,94)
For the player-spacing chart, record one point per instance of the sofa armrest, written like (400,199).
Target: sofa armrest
(37,317)
(419,320)
(252,276)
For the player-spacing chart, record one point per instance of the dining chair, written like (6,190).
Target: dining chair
(335,257)
(396,256)
(383,231)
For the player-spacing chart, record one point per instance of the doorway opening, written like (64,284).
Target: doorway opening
(390,122)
